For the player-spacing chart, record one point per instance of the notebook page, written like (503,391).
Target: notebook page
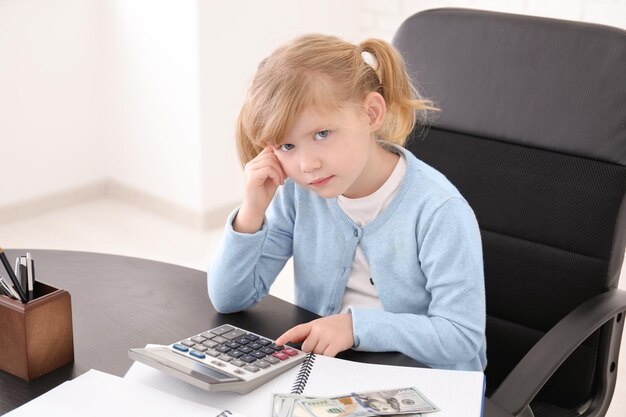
(456,393)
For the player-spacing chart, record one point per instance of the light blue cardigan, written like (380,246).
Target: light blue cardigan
(425,258)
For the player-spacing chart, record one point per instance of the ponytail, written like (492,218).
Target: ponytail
(405,106)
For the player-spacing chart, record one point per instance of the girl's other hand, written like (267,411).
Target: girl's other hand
(263,175)
(326,336)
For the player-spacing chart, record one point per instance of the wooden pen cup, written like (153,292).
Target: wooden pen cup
(36,337)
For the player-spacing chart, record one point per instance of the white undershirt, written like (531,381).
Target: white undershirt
(359,290)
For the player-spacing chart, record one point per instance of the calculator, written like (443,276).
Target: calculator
(226,358)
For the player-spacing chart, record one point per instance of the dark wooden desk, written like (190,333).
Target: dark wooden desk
(120,303)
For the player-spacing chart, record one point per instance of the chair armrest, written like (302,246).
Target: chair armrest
(491,409)
(525,380)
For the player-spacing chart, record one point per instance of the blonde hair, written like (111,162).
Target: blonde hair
(325,72)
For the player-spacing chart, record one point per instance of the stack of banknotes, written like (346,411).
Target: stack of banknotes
(406,402)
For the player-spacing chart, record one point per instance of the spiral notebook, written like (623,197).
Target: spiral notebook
(456,393)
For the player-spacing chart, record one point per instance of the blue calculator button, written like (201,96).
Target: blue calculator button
(197,354)
(180,347)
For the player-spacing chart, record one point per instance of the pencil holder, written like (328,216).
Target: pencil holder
(36,337)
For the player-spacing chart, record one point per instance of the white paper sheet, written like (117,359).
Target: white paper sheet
(97,394)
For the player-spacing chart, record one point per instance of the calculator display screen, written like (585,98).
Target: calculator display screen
(191,367)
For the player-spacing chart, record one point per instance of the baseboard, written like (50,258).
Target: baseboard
(53,201)
(216,218)
(207,219)
(203,220)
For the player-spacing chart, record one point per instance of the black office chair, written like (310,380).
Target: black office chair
(533,133)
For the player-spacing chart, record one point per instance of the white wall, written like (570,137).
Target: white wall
(151,98)
(49,137)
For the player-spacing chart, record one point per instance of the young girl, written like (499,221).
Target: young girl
(383,245)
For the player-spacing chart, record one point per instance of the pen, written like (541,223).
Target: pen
(6,288)
(30,276)
(3,289)
(20,272)
(17,270)
(16,283)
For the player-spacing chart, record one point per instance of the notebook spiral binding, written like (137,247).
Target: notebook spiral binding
(303,375)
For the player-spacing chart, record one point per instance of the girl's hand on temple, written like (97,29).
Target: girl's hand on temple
(326,336)
(263,175)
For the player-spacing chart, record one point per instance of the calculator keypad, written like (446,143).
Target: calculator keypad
(233,346)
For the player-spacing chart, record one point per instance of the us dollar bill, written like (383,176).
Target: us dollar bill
(405,402)
(288,405)
(401,401)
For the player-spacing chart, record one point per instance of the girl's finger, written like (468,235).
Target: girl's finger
(295,334)
(260,175)
(310,343)
(270,161)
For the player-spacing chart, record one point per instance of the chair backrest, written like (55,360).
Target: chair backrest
(533,133)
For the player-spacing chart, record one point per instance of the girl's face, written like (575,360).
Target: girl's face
(335,153)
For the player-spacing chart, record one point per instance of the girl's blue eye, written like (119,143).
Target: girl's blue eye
(322,134)
(286,147)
